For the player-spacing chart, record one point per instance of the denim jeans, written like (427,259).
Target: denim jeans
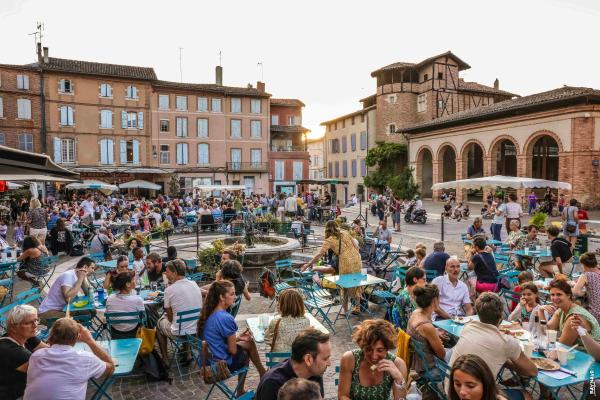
(496,230)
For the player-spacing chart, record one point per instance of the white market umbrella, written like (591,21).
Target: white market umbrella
(94,185)
(12,185)
(502,181)
(140,184)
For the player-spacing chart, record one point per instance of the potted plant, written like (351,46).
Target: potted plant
(538,219)
(209,259)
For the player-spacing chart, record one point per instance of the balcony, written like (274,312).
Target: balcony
(247,166)
(287,148)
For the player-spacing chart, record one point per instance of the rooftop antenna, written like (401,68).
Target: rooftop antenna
(180,66)
(220,58)
(38,34)
(260,71)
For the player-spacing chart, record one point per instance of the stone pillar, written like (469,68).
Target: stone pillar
(487,167)
(435,165)
(461,195)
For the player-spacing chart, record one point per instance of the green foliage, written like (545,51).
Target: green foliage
(538,219)
(174,184)
(386,157)
(208,258)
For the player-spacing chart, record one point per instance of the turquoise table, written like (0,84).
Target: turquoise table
(491,242)
(258,331)
(533,253)
(88,307)
(454,328)
(125,352)
(112,264)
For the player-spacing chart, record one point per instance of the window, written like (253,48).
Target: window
(440,75)
(181,123)
(422,102)
(440,104)
(279,170)
(215,105)
(23,82)
(130,151)
(274,119)
(345,168)
(363,140)
(164,154)
(106,90)
(66,116)
(202,104)
(164,125)
(391,129)
(1,108)
(236,158)
(23,108)
(182,153)
(344,144)
(290,120)
(337,169)
(106,119)
(352,120)
(203,154)
(163,101)
(65,86)
(2,139)
(131,93)
(131,120)
(255,106)
(391,98)
(330,170)
(425,77)
(343,123)
(64,150)
(236,128)
(255,157)
(203,127)
(335,146)
(25,141)
(363,168)
(353,168)
(236,105)
(353,142)
(106,152)
(297,170)
(181,103)
(255,128)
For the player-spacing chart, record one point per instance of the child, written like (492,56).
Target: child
(139,266)
(3,229)
(561,203)
(410,258)
(19,233)
(523,278)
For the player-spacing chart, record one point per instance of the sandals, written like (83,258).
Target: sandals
(356,310)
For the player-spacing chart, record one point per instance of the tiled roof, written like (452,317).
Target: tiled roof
(289,129)
(94,68)
(478,87)
(461,64)
(287,102)
(211,87)
(352,114)
(19,67)
(540,101)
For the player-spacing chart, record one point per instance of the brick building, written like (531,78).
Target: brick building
(288,155)
(316,169)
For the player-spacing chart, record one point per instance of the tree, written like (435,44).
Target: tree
(174,185)
(387,157)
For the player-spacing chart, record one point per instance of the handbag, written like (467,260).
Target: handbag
(148,336)
(217,372)
(275,333)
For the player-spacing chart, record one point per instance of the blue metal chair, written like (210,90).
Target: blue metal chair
(317,305)
(181,341)
(431,274)
(336,381)
(275,358)
(222,385)
(430,378)
(28,296)
(508,297)
(49,265)
(196,277)
(131,317)
(97,257)
(283,266)
(85,320)
(246,396)
(190,263)
(236,306)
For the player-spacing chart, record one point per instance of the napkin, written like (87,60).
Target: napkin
(557,374)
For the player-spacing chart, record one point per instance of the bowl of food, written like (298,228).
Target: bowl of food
(81,303)
(545,364)
(461,320)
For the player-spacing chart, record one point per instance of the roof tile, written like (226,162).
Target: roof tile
(95,68)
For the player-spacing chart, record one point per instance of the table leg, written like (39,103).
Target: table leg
(103,388)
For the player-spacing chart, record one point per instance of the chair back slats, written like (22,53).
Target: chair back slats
(275,358)
(236,306)
(186,316)
(129,317)
(196,277)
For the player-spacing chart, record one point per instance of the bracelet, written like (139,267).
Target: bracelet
(400,386)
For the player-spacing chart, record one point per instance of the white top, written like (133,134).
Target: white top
(183,295)
(117,302)
(138,265)
(157,217)
(61,373)
(291,205)
(452,297)
(499,219)
(55,300)
(88,207)
(513,210)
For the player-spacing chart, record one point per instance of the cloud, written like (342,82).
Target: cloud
(11,7)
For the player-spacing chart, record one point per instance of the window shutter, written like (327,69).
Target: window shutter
(185,153)
(70,117)
(61,85)
(1,108)
(103,151)
(178,153)
(63,115)
(124,119)
(57,150)
(141,120)
(26,82)
(123,152)
(100,90)
(111,152)
(136,152)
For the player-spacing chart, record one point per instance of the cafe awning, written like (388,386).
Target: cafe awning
(140,184)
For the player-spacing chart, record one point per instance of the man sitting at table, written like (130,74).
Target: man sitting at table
(181,295)
(485,339)
(383,236)
(60,371)
(561,253)
(65,288)
(154,267)
(454,294)
(436,261)
(475,229)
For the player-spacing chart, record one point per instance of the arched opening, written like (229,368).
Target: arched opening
(474,161)
(505,155)
(426,165)
(448,164)
(544,159)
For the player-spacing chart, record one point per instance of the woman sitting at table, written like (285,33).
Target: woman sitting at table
(404,305)
(122,266)
(349,261)
(282,330)
(420,327)
(135,243)
(126,300)
(588,283)
(231,270)
(514,238)
(371,372)
(528,306)
(472,379)
(484,265)
(31,260)
(60,238)
(562,310)
(218,329)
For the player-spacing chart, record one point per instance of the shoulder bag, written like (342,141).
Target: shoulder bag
(217,372)
(275,334)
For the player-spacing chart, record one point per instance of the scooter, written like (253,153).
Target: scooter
(420,216)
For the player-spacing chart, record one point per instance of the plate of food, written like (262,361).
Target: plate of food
(520,334)
(461,320)
(545,364)
(81,303)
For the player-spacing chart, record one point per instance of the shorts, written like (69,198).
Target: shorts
(396,217)
(485,287)
(239,360)
(567,234)
(164,327)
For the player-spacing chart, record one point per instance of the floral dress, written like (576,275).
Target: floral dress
(592,288)
(375,392)
(403,308)
(349,261)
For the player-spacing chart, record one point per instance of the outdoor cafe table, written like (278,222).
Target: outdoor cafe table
(454,328)
(123,352)
(491,242)
(108,265)
(258,332)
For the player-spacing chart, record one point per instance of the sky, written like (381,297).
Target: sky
(321,52)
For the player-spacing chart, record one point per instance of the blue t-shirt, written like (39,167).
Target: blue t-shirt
(472,231)
(436,261)
(219,326)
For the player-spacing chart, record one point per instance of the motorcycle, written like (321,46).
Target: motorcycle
(420,216)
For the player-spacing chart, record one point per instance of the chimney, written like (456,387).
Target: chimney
(39,53)
(260,86)
(496,84)
(219,75)
(46,60)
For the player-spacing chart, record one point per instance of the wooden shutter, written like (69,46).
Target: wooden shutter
(104,151)
(57,150)
(124,119)
(123,151)
(140,120)
(136,151)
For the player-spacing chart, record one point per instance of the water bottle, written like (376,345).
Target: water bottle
(101,295)
(543,337)
(534,331)
(414,393)
(91,295)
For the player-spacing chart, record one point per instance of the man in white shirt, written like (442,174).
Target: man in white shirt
(181,295)
(64,288)
(291,206)
(101,239)
(60,372)
(454,294)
